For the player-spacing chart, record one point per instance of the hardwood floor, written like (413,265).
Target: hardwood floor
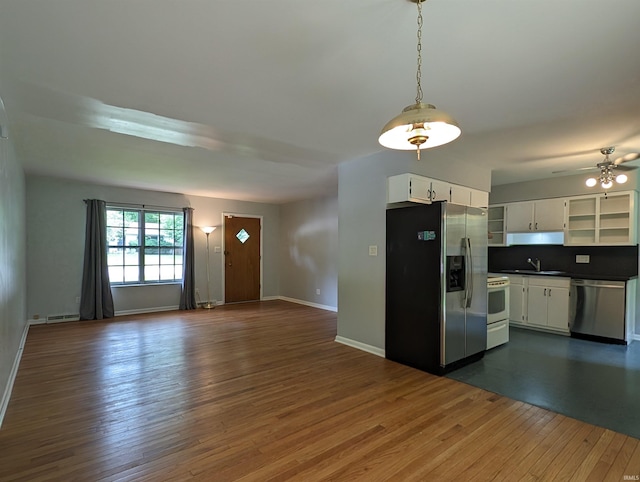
(259,392)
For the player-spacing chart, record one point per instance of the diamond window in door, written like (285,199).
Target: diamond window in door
(242,236)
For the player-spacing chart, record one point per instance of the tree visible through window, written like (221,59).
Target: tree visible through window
(144,246)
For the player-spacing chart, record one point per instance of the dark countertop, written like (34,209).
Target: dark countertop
(565,274)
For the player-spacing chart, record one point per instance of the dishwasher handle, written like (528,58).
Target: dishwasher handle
(598,284)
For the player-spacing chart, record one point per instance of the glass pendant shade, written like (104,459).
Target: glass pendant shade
(419,126)
(606,185)
(591,182)
(621,178)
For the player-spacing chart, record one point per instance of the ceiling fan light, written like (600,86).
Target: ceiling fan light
(606,185)
(621,178)
(591,182)
(419,125)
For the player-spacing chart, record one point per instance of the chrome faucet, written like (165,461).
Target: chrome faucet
(536,265)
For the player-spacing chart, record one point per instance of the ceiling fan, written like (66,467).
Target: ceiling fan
(610,171)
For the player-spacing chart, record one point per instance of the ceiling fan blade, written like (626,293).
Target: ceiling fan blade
(574,170)
(632,156)
(620,167)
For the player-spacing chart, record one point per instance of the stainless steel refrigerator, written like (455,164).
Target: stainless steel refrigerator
(436,286)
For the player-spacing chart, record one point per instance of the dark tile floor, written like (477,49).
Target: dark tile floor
(594,382)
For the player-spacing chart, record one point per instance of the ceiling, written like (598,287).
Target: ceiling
(261,101)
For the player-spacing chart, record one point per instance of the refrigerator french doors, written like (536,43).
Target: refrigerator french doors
(436,282)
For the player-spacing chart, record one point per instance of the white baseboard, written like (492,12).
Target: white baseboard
(636,337)
(307,303)
(361,346)
(4,403)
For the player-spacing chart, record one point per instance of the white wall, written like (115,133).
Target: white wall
(56,231)
(309,251)
(13,319)
(362,223)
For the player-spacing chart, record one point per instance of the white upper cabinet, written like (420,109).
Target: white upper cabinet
(440,190)
(407,187)
(479,199)
(601,219)
(414,188)
(461,195)
(536,216)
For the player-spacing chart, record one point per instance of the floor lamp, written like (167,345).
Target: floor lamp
(208,304)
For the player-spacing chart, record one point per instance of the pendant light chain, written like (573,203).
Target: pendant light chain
(419,48)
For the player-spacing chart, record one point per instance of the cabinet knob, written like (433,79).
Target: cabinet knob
(536,226)
(529,226)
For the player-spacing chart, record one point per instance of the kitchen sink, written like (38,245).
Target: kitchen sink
(533,271)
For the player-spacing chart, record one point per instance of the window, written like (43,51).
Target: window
(144,246)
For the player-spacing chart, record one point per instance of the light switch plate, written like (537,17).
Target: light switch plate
(582,258)
(216,249)
(373,251)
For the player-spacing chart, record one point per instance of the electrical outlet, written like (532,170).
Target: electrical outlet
(77,300)
(197,291)
(373,251)
(216,249)
(583,258)
(318,291)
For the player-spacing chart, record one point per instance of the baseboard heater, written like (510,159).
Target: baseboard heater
(61,318)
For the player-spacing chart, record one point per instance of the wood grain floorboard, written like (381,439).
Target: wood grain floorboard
(262,392)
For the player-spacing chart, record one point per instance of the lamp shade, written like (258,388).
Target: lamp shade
(208,229)
(419,126)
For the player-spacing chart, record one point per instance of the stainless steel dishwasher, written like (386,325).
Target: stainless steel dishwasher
(598,308)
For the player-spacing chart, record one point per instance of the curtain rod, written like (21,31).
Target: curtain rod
(144,207)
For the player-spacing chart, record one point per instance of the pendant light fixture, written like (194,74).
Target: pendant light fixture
(419,126)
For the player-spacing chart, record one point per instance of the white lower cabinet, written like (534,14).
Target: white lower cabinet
(517,299)
(540,302)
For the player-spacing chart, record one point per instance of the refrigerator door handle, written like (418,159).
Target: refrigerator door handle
(469,280)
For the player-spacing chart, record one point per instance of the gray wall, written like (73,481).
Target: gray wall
(362,195)
(55,234)
(13,318)
(309,251)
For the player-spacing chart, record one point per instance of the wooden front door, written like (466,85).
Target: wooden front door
(242,259)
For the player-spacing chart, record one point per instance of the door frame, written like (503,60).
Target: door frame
(224,263)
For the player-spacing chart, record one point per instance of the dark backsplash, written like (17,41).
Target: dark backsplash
(604,260)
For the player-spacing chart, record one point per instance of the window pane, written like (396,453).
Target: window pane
(131,274)
(178,271)
(151,273)
(151,237)
(151,220)
(167,272)
(178,256)
(115,256)
(131,237)
(116,274)
(114,217)
(132,256)
(115,236)
(151,257)
(131,219)
(166,221)
(179,220)
(166,237)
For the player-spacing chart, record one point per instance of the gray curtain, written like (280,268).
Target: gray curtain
(188,295)
(96,301)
